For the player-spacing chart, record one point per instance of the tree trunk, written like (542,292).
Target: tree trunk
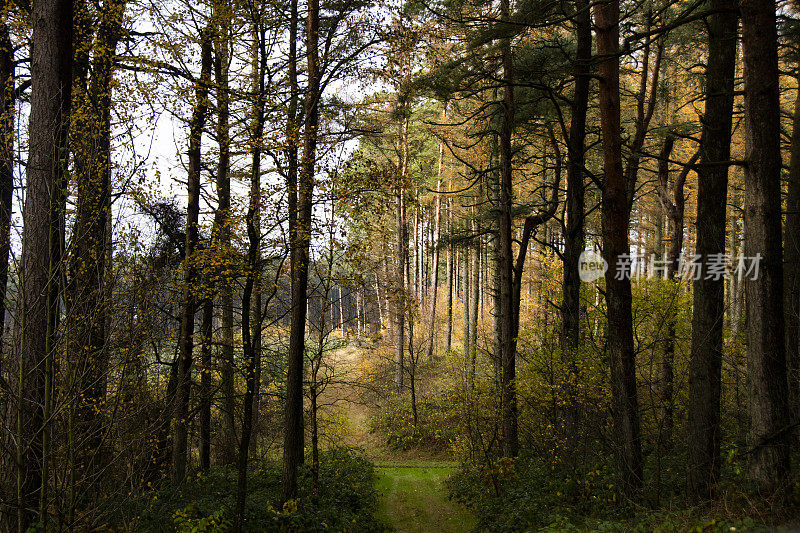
(206,379)
(221,230)
(766,350)
(188,298)
(402,260)
(448,335)
(645,106)
(435,260)
(792,265)
(51,81)
(510,438)
(707,310)
(7,73)
(300,240)
(474,304)
(466,277)
(86,293)
(674,206)
(251,329)
(574,236)
(625,406)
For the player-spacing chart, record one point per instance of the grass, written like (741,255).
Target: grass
(413,498)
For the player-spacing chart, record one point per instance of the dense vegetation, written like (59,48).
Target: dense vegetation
(270,266)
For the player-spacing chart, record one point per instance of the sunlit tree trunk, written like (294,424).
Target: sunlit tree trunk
(466,283)
(474,305)
(403,289)
(434,290)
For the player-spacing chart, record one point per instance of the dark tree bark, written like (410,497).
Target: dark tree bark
(190,278)
(7,87)
(251,329)
(625,405)
(766,351)
(86,291)
(51,82)
(7,83)
(791,261)
(401,223)
(674,206)
(508,394)
(222,226)
(206,395)
(708,304)
(574,239)
(293,447)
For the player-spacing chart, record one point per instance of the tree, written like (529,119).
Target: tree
(708,306)
(575,206)
(300,239)
(7,82)
(43,212)
(251,329)
(86,291)
(190,276)
(505,260)
(766,351)
(791,237)
(625,404)
(222,15)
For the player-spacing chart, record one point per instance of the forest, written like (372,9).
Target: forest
(399,265)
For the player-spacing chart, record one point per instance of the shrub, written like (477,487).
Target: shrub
(347,500)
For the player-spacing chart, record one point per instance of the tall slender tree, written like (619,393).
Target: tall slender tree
(190,270)
(707,312)
(625,403)
(86,291)
(300,239)
(576,188)
(51,82)
(766,351)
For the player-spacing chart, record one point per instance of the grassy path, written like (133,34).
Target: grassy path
(411,484)
(414,498)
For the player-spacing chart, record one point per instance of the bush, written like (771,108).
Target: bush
(347,500)
(530,494)
(435,431)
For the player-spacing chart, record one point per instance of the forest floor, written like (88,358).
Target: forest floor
(413,496)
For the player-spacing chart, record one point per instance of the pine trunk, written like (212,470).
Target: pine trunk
(766,349)
(625,406)
(707,311)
